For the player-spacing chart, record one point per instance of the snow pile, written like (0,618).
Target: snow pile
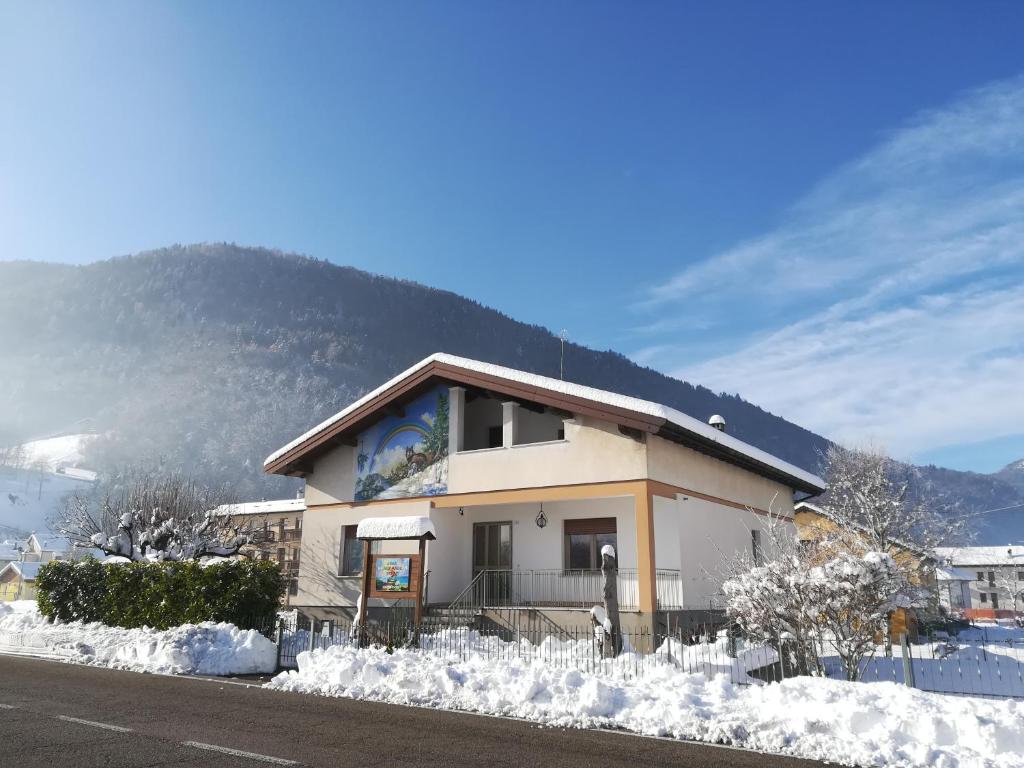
(410,527)
(849,723)
(200,649)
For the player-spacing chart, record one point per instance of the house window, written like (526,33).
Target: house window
(991,578)
(495,437)
(293,587)
(280,554)
(1020,575)
(984,597)
(995,601)
(981,575)
(351,552)
(584,539)
(755,546)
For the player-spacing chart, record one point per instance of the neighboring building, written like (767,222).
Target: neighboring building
(525,479)
(997,586)
(816,528)
(18,581)
(276,531)
(41,548)
(10,551)
(954,590)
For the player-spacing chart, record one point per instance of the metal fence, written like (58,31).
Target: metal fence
(967,666)
(565,588)
(580,648)
(975,666)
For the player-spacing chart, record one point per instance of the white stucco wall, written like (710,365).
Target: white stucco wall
(333,477)
(319,583)
(592,452)
(709,535)
(686,468)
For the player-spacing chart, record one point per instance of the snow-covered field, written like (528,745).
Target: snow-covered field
(863,724)
(204,649)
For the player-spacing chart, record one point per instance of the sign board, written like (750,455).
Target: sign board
(394,576)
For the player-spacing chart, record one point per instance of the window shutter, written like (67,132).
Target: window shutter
(590,525)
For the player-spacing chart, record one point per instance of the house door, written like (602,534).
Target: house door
(492,552)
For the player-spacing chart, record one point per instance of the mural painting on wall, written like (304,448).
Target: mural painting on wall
(402,456)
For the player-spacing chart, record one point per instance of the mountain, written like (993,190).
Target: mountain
(1013,474)
(208,357)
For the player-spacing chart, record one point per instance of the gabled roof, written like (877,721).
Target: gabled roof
(628,412)
(1007,555)
(27,571)
(46,543)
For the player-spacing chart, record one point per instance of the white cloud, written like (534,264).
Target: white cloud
(889,305)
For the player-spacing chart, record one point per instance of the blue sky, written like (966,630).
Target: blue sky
(819,206)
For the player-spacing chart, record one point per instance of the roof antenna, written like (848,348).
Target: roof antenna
(562,336)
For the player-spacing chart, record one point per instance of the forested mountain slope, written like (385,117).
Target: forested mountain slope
(209,357)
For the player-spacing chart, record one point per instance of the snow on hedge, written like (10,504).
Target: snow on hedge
(204,649)
(862,724)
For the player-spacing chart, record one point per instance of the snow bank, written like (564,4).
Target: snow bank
(849,723)
(200,649)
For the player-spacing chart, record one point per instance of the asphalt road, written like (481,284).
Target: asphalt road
(54,714)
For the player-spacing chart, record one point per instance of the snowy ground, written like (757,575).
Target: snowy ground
(863,724)
(205,649)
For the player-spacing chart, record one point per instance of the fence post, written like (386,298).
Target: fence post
(908,667)
(279,639)
(312,634)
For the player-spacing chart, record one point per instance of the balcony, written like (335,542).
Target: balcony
(558,588)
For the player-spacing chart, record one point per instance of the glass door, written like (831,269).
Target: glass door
(492,552)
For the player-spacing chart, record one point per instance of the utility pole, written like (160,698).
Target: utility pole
(562,336)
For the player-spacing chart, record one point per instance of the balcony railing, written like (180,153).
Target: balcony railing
(560,588)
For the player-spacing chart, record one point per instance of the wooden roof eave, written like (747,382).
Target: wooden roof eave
(295,461)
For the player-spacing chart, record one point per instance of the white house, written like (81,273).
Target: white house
(526,478)
(997,585)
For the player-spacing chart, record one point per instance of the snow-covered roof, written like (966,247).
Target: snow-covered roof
(46,543)
(9,553)
(947,573)
(410,527)
(272,507)
(1007,555)
(624,402)
(27,571)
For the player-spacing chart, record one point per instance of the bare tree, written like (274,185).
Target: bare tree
(1007,581)
(145,514)
(880,504)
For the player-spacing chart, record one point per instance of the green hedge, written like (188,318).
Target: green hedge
(161,595)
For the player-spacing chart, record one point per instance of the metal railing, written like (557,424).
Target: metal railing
(562,588)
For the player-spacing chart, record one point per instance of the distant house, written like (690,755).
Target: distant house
(40,548)
(526,479)
(276,531)
(997,584)
(18,581)
(10,551)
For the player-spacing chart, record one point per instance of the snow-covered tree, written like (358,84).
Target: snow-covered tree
(805,605)
(143,514)
(770,600)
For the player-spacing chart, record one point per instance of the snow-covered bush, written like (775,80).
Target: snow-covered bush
(145,514)
(245,593)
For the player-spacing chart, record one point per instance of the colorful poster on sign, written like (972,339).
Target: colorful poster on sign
(407,455)
(391,574)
